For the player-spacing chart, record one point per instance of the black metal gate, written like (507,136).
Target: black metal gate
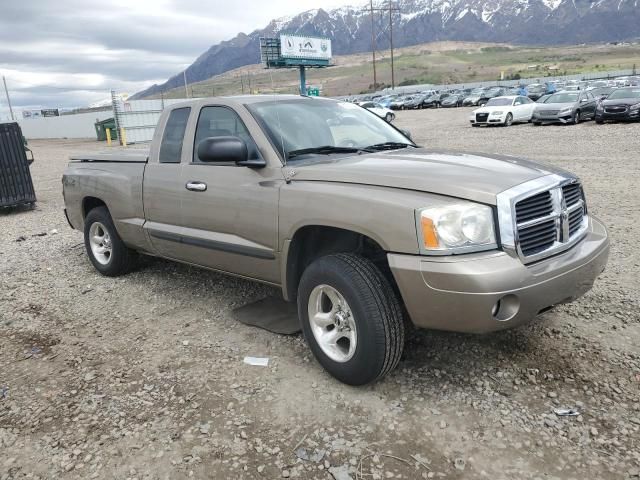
(16,186)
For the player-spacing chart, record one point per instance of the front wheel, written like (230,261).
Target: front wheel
(106,250)
(351,318)
(509,120)
(576,118)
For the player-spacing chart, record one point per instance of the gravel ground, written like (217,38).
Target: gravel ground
(142,377)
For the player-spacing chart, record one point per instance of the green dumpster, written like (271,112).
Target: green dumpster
(101,129)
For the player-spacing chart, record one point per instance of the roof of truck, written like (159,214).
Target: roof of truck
(245,99)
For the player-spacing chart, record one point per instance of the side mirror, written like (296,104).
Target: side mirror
(584,100)
(407,134)
(228,149)
(223,149)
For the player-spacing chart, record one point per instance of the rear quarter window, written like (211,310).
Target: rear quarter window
(173,136)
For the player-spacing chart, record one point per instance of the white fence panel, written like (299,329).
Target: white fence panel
(140,117)
(81,125)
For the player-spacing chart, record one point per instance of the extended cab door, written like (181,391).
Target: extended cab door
(161,188)
(230,212)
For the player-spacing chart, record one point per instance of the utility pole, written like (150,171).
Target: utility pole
(6,91)
(373,46)
(184,76)
(390,8)
(393,79)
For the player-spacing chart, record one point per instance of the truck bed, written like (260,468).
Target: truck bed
(121,155)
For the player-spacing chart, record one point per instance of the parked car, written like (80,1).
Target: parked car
(536,90)
(399,103)
(284,193)
(379,110)
(453,100)
(434,101)
(543,98)
(473,99)
(565,107)
(415,103)
(622,104)
(503,111)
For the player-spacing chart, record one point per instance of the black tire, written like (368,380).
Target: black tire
(376,312)
(599,122)
(536,124)
(509,120)
(576,118)
(122,258)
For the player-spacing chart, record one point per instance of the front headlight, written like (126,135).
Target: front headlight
(497,112)
(458,228)
(635,107)
(566,111)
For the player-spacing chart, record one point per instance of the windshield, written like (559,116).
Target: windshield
(601,91)
(625,93)
(499,102)
(477,91)
(301,124)
(563,98)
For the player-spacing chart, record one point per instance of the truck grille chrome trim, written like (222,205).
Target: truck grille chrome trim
(542,217)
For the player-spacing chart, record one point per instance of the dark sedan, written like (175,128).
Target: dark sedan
(434,100)
(454,100)
(621,104)
(415,102)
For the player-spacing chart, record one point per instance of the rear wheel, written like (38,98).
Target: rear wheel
(105,249)
(351,318)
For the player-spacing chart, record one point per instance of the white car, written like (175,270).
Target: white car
(379,110)
(503,111)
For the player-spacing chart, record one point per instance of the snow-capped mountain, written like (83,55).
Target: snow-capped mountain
(419,21)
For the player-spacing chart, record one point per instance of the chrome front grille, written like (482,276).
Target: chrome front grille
(542,217)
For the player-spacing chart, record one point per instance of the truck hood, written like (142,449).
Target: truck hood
(475,177)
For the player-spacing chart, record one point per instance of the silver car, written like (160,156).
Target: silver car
(565,107)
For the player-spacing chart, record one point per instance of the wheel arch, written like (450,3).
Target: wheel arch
(89,203)
(313,241)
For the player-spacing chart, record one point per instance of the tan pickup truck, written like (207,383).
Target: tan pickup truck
(352,220)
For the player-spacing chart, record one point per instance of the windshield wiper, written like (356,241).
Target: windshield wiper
(389,146)
(325,150)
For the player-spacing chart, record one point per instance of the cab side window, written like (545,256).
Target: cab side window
(173,136)
(222,122)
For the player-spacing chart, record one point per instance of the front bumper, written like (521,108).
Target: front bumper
(558,118)
(490,291)
(628,115)
(491,120)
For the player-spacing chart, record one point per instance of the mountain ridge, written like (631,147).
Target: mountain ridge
(543,22)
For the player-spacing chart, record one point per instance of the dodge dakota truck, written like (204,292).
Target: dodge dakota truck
(362,228)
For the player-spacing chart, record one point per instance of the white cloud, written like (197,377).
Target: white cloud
(73,52)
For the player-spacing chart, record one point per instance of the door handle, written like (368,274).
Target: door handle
(196,186)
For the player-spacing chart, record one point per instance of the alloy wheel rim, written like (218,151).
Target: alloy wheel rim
(100,242)
(332,323)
